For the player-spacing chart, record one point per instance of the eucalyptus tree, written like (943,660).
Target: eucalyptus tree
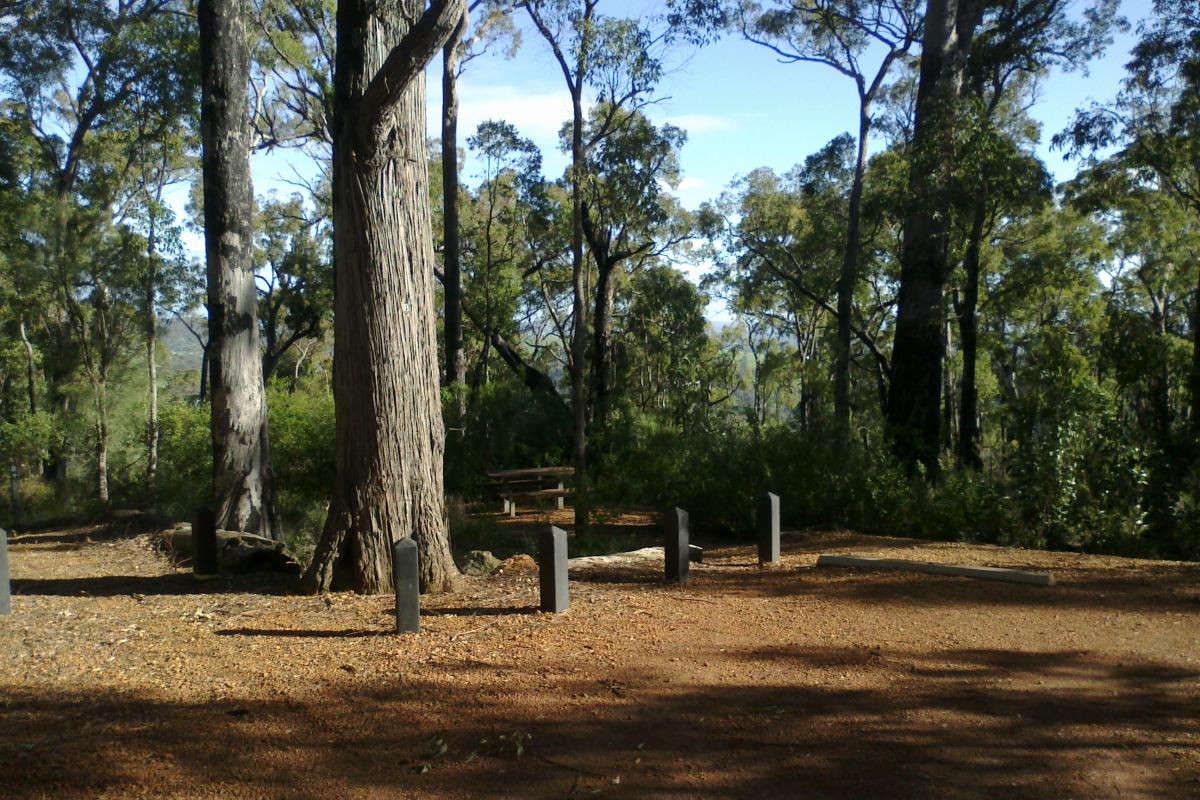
(616,58)
(389,432)
(1153,124)
(72,69)
(242,481)
(629,219)
(914,395)
(862,42)
(294,278)
(466,43)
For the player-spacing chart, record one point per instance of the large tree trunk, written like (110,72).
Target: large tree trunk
(452,285)
(242,490)
(914,397)
(848,279)
(389,431)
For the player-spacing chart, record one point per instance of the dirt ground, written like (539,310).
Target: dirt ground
(120,676)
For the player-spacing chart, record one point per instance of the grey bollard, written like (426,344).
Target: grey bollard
(552,570)
(768,529)
(407,580)
(675,528)
(204,544)
(5,589)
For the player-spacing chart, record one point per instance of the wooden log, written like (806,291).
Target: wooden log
(904,565)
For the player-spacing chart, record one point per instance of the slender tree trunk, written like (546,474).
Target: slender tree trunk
(968,335)
(947,391)
(1195,377)
(151,359)
(30,369)
(848,279)
(452,285)
(202,393)
(242,490)
(100,390)
(389,432)
(579,307)
(602,327)
(914,420)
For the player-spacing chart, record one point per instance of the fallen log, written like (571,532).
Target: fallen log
(981,573)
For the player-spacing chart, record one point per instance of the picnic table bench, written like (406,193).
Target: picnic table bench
(534,483)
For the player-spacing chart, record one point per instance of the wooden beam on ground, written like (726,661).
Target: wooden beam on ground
(982,573)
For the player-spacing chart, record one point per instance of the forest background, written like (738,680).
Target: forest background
(729,342)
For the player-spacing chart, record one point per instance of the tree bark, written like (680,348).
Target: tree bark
(848,279)
(914,419)
(151,357)
(242,490)
(602,327)
(389,432)
(455,362)
(579,309)
(30,369)
(968,335)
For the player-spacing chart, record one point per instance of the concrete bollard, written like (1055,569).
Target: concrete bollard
(552,570)
(675,528)
(407,581)
(204,545)
(5,588)
(768,529)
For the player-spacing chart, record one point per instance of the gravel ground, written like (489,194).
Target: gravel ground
(120,676)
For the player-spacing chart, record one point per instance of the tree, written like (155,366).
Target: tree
(840,34)
(614,57)
(1154,123)
(389,432)
(629,219)
(242,485)
(914,395)
(294,279)
(458,50)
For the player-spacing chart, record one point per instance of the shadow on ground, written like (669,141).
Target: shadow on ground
(1114,730)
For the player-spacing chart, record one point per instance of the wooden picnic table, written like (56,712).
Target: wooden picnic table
(531,483)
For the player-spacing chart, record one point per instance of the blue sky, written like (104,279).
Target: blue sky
(741,107)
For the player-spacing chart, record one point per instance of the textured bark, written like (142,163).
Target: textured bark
(242,491)
(389,431)
(914,398)
(455,364)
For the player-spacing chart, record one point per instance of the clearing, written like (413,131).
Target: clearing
(120,676)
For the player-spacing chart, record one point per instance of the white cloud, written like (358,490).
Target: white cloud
(703,123)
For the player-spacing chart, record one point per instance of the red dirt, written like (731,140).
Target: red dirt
(122,677)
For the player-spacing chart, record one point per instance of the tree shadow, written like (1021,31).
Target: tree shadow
(1111,730)
(478,611)
(291,633)
(178,583)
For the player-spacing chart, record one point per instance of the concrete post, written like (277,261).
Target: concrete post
(552,570)
(675,528)
(768,529)
(406,579)
(205,565)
